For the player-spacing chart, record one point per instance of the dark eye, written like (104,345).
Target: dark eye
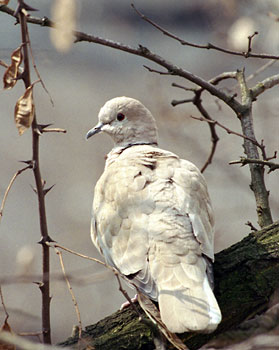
(120,117)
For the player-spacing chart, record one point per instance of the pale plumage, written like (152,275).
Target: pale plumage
(153,221)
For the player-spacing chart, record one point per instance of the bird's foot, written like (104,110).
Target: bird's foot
(127,303)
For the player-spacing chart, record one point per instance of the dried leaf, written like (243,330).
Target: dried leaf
(25,110)
(4,2)
(12,72)
(7,328)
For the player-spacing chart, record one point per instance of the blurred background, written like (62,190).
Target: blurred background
(80,81)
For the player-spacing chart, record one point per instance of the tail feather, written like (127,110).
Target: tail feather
(187,304)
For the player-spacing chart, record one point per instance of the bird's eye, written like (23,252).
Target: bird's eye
(120,117)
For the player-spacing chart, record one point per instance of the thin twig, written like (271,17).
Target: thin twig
(207,46)
(9,187)
(244,161)
(56,245)
(35,67)
(229,131)
(249,49)
(261,69)
(212,127)
(151,70)
(249,223)
(3,64)
(126,295)
(175,103)
(71,292)
(54,130)
(3,303)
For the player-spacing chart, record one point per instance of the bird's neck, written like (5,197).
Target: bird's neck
(118,150)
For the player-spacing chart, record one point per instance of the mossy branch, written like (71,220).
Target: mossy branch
(246,275)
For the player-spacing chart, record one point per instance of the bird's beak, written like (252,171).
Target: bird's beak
(95,130)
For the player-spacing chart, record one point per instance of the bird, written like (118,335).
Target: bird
(153,221)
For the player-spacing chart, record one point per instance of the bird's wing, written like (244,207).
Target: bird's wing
(121,212)
(154,224)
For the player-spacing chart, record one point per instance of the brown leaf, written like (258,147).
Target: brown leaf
(7,328)
(12,72)
(25,110)
(4,2)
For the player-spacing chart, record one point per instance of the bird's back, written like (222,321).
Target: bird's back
(152,220)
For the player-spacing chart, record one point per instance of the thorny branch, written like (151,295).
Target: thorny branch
(243,161)
(44,285)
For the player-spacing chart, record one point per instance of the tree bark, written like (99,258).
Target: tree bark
(246,275)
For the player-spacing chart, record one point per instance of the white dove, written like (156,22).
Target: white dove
(153,220)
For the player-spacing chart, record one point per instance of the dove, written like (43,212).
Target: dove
(153,221)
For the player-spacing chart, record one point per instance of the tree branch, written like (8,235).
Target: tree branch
(45,285)
(146,53)
(243,161)
(209,45)
(250,149)
(261,87)
(246,275)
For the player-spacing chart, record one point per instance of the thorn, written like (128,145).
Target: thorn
(48,189)
(37,131)
(41,127)
(28,162)
(23,6)
(34,189)
(27,7)
(47,239)
(39,284)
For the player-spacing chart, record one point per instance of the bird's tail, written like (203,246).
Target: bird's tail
(186,300)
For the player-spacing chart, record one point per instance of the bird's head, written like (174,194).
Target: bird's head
(127,121)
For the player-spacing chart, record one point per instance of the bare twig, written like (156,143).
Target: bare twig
(214,137)
(209,45)
(35,67)
(175,103)
(3,64)
(261,69)
(126,295)
(229,131)
(10,186)
(56,245)
(54,130)
(249,49)
(3,304)
(243,161)
(71,292)
(252,227)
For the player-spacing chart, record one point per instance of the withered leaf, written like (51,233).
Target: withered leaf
(25,110)
(4,2)
(7,328)
(12,72)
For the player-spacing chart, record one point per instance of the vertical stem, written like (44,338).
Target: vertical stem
(45,285)
(251,150)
